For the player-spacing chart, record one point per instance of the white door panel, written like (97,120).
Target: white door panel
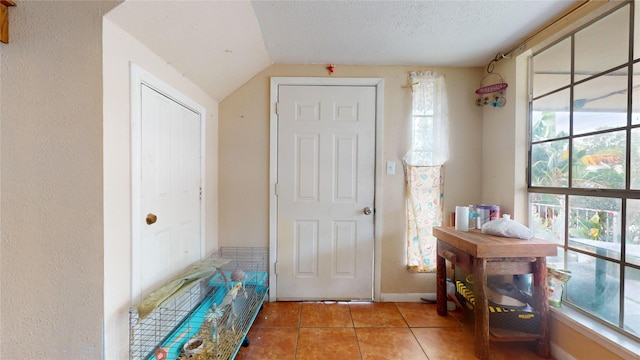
(326,155)
(170,188)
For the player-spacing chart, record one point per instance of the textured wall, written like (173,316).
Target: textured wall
(52,244)
(244,139)
(51,182)
(121,49)
(504,155)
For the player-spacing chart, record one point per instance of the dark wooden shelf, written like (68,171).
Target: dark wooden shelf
(504,335)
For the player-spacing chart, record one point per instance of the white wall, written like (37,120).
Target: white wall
(244,139)
(120,49)
(65,242)
(51,251)
(504,143)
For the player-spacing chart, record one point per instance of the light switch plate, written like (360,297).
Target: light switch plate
(391,167)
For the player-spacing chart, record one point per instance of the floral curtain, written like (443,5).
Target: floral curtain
(424,192)
(424,168)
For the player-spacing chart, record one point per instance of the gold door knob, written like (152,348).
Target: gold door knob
(151,218)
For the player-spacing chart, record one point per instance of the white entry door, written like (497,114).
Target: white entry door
(170,189)
(326,171)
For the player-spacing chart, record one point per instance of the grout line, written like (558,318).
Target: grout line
(295,350)
(355,331)
(353,323)
(402,315)
(419,343)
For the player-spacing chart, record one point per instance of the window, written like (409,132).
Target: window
(429,120)
(423,168)
(584,164)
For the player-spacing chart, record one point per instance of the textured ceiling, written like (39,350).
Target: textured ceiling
(436,33)
(216,44)
(219,45)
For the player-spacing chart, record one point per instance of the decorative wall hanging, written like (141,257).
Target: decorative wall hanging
(492,94)
(492,86)
(330,68)
(4,20)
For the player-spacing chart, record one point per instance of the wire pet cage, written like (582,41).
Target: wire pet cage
(208,320)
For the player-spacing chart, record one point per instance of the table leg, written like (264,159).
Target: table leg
(441,284)
(481,308)
(540,288)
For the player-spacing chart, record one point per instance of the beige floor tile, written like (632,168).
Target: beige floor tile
(279,314)
(327,343)
(445,343)
(425,315)
(367,331)
(273,343)
(389,343)
(376,315)
(321,314)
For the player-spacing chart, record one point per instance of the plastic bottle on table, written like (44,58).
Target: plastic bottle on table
(472,217)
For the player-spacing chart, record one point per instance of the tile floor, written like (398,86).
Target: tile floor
(385,331)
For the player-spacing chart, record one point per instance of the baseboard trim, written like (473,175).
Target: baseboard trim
(406,297)
(558,353)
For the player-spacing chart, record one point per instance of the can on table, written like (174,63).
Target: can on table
(486,213)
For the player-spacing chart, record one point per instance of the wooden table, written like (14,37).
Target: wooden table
(480,254)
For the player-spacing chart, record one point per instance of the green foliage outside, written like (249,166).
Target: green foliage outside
(597,162)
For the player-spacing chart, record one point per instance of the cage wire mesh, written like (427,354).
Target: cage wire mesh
(215,313)
(249,259)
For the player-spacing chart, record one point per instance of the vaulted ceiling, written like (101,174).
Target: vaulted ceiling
(220,45)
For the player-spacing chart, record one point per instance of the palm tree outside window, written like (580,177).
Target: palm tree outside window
(584,164)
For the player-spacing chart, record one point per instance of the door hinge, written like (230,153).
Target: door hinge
(277,189)
(277,108)
(275,268)
(200,192)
